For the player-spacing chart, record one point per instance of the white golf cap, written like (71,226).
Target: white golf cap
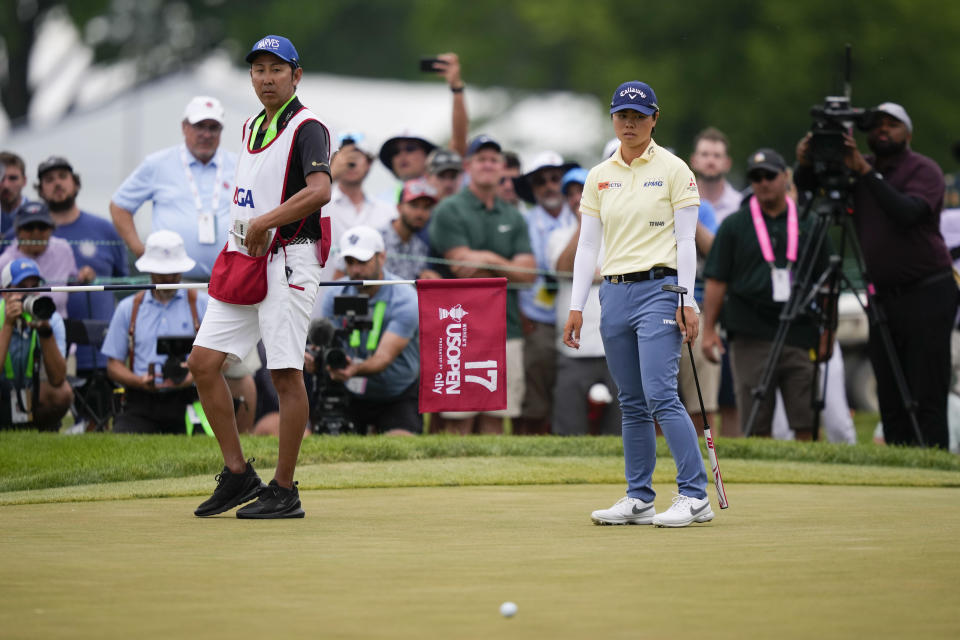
(202,108)
(361,242)
(164,253)
(895,110)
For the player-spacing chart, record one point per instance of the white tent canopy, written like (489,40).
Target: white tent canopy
(106,142)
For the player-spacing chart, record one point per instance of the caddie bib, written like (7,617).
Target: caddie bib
(261,177)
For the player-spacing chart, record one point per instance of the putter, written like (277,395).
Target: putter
(711,451)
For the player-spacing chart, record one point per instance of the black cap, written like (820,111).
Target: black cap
(766,159)
(33,212)
(53,162)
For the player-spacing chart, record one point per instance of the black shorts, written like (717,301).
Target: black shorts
(381,415)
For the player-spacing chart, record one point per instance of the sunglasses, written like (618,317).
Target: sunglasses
(760,176)
(213,128)
(34,226)
(539,180)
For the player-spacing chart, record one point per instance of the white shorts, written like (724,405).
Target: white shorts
(281,319)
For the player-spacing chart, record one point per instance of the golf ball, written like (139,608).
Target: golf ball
(508,609)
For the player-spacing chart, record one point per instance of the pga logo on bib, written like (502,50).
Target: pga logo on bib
(243,197)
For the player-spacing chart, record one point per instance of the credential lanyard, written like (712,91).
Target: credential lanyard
(214,197)
(763,236)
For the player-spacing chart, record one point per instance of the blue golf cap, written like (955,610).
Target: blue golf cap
(33,212)
(482,142)
(278,46)
(576,175)
(634,95)
(19,270)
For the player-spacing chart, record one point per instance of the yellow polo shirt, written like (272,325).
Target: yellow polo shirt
(635,203)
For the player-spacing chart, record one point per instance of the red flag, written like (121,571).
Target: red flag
(463,344)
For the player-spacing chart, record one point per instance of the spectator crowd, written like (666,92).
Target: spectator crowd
(468,209)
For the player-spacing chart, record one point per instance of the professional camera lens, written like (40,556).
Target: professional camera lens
(40,307)
(336,359)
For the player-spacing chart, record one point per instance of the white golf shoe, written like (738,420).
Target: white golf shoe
(626,511)
(685,511)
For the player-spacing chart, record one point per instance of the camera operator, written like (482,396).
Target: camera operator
(33,341)
(383,363)
(157,393)
(897,198)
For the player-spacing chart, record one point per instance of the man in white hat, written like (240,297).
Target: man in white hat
(156,395)
(190,186)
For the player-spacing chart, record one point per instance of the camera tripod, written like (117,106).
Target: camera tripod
(824,287)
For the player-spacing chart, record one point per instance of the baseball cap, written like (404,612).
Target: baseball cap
(53,162)
(202,108)
(895,110)
(361,242)
(278,46)
(634,95)
(576,175)
(418,188)
(164,253)
(389,148)
(766,159)
(544,160)
(482,142)
(19,270)
(444,160)
(33,212)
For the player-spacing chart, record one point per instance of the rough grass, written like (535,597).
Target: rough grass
(30,460)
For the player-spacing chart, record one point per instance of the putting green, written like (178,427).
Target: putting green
(785,561)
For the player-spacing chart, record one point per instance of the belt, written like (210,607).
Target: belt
(899,290)
(296,240)
(639,276)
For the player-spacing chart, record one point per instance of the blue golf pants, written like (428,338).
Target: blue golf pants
(642,342)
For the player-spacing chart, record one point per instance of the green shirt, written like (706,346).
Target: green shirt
(736,259)
(462,220)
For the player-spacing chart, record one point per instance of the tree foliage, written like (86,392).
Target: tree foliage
(752,68)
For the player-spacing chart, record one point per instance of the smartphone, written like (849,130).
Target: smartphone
(429,65)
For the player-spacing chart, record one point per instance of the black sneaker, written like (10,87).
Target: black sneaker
(274,502)
(232,489)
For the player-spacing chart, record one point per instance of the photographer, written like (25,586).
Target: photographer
(157,392)
(32,347)
(383,363)
(897,198)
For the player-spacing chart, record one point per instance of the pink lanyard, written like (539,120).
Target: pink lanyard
(763,236)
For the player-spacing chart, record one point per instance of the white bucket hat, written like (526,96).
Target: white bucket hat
(164,253)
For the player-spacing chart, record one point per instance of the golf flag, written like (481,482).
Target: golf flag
(463,344)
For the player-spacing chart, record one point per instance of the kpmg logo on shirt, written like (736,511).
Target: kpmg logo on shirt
(654,183)
(243,197)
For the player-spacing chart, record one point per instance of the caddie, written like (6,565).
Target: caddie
(264,283)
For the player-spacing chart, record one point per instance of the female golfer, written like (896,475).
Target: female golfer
(642,202)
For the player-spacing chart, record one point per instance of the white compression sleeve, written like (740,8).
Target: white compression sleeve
(585,263)
(685,231)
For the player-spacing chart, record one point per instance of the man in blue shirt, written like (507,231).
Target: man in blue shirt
(35,391)
(383,363)
(154,402)
(97,248)
(13,178)
(189,185)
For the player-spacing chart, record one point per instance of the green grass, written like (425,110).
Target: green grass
(30,460)
(790,562)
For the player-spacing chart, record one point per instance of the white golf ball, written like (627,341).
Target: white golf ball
(508,609)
